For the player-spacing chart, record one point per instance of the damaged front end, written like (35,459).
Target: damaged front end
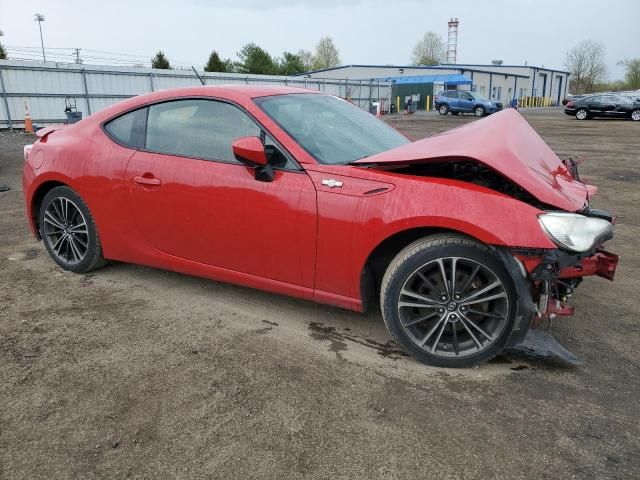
(555,274)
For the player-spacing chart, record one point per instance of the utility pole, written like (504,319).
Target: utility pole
(78,59)
(40,18)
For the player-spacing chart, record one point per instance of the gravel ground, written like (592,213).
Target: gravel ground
(131,372)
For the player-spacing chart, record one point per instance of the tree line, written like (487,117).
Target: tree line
(585,61)
(256,60)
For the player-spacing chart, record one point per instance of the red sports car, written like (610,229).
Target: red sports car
(468,239)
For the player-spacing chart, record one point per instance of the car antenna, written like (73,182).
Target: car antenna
(199,77)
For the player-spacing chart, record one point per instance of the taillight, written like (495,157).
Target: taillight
(27,151)
(569,104)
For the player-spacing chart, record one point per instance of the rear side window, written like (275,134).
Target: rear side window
(197,128)
(128,129)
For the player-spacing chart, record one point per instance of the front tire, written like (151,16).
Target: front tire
(479,111)
(582,114)
(449,301)
(69,232)
(635,115)
(443,109)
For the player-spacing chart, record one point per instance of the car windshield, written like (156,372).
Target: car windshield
(332,130)
(478,97)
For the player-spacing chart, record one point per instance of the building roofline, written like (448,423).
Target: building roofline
(511,66)
(453,66)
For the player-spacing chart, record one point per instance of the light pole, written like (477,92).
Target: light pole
(40,18)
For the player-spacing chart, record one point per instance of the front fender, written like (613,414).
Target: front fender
(351,227)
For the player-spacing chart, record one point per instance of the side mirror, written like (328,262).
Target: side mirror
(249,150)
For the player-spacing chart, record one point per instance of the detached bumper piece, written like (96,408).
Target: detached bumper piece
(540,345)
(602,264)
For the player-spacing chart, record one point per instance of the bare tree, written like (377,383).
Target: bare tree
(430,50)
(586,63)
(326,55)
(307,58)
(632,73)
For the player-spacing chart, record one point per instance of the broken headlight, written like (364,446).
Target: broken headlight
(575,232)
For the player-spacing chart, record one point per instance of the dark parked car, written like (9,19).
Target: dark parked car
(457,102)
(571,98)
(612,106)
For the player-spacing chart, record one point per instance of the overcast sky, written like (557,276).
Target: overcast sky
(365,32)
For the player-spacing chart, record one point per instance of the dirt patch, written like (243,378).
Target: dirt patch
(132,372)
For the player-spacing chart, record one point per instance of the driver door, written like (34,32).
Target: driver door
(191,199)
(466,102)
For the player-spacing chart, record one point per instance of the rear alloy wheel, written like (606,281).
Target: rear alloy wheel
(69,232)
(449,301)
(582,114)
(479,111)
(443,109)
(635,115)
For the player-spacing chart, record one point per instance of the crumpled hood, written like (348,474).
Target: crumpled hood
(506,143)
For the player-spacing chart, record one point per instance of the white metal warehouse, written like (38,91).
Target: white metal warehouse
(496,82)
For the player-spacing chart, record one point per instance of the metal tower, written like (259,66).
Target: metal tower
(452,41)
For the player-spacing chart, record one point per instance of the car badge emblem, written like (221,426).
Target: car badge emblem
(331,183)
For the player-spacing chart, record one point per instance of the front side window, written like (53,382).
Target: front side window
(197,128)
(330,129)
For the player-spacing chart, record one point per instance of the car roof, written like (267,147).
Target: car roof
(230,92)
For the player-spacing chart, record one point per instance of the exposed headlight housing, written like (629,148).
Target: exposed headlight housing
(575,232)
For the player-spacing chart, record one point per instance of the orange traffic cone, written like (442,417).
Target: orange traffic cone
(28,125)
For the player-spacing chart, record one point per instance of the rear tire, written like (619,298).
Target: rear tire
(582,114)
(449,301)
(635,115)
(443,109)
(69,232)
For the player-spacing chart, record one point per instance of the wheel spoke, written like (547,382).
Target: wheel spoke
(66,209)
(486,299)
(75,228)
(84,244)
(402,304)
(473,324)
(444,276)
(482,291)
(453,275)
(475,340)
(470,279)
(424,318)
(57,208)
(51,220)
(435,343)
(442,319)
(74,249)
(56,247)
(422,298)
(456,348)
(485,314)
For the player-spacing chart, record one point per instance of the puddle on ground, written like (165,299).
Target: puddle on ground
(338,341)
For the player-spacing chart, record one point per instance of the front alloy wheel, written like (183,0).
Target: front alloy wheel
(449,301)
(479,111)
(635,115)
(582,114)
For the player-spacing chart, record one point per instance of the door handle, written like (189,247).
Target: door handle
(147,181)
